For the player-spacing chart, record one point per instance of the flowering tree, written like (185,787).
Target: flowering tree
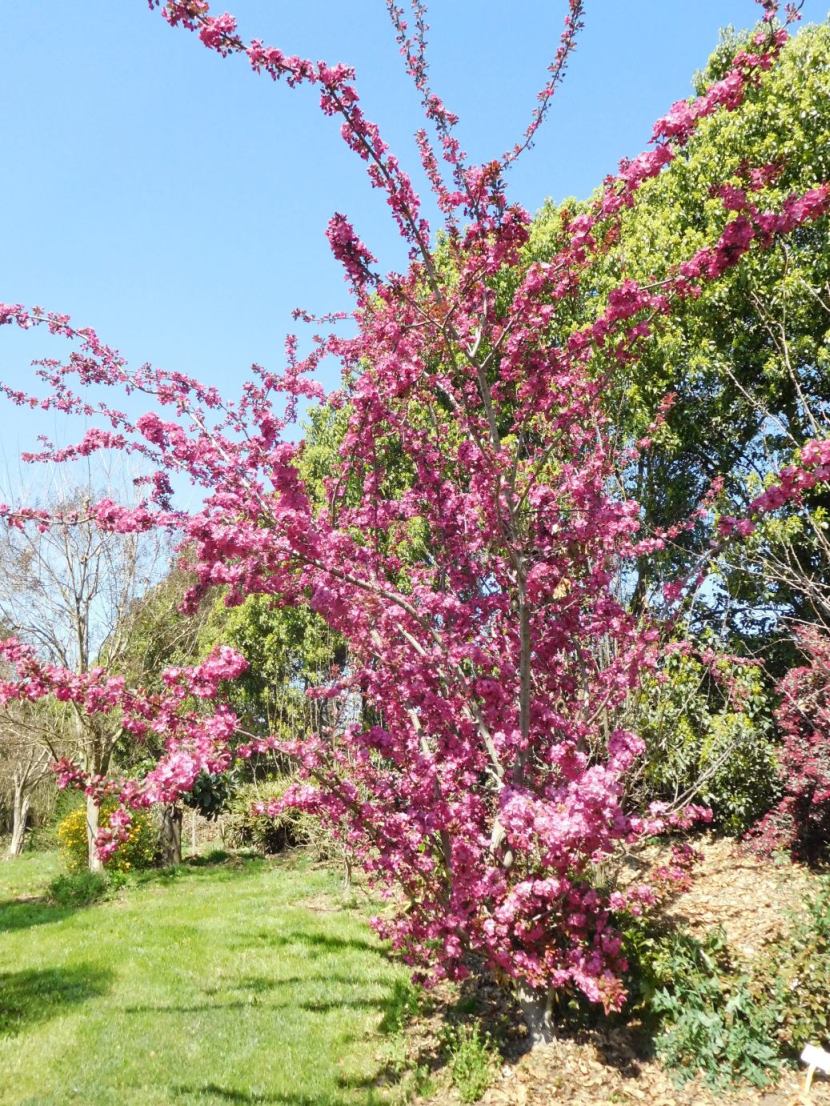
(469,545)
(197,740)
(68,590)
(800,821)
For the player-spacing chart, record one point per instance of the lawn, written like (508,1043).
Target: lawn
(248,981)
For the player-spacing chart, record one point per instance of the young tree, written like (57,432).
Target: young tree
(67,590)
(473,542)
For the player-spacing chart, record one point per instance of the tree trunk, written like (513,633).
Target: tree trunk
(92,813)
(536,1008)
(20,814)
(171,835)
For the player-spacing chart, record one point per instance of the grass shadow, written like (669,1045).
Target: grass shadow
(24,913)
(244,1098)
(210,859)
(311,1006)
(317,943)
(217,865)
(28,997)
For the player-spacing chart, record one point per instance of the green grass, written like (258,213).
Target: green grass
(241,982)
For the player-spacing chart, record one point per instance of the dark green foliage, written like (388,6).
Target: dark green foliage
(708,737)
(406,1001)
(288,649)
(747,359)
(210,858)
(699,1007)
(210,795)
(727,1021)
(158,635)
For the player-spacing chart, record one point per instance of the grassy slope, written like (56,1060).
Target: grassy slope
(240,983)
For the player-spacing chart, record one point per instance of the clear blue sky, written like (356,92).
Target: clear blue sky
(177,203)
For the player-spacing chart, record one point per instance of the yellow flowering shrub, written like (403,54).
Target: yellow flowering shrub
(138,851)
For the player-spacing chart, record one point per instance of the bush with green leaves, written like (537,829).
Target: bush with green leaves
(245,828)
(793,978)
(472,1059)
(699,1006)
(711,1015)
(77,889)
(210,795)
(708,734)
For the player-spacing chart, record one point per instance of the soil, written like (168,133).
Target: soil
(751,899)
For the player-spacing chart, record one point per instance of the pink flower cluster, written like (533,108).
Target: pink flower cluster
(790,483)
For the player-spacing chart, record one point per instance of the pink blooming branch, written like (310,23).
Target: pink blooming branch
(556,73)
(414,51)
(196,741)
(338,96)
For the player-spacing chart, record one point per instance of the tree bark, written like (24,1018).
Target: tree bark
(20,814)
(171,835)
(536,1009)
(92,815)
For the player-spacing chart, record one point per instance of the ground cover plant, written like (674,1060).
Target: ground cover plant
(166,993)
(471,545)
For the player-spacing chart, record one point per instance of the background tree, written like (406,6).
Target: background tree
(26,734)
(67,591)
(745,359)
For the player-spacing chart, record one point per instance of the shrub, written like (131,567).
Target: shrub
(729,1022)
(244,828)
(793,978)
(210,858)
(707,730)
(702,1012)
(472,1060)
(78,889)
(138,851)
(800,822)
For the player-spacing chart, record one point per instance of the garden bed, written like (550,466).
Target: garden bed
(753,901)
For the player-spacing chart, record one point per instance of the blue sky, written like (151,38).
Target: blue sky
(177,203)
